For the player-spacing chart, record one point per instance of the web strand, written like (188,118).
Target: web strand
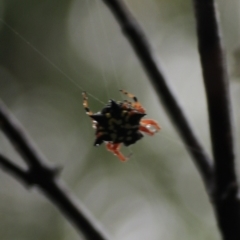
(104,77)
(47,59)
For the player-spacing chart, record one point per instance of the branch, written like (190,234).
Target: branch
(142,48)
(20,141)
(217,91)
(14,170)
(43,176)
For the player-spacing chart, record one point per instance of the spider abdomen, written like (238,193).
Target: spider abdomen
(118,123)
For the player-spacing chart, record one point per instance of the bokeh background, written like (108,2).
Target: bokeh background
(52,50)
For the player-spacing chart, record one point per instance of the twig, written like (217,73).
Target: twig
(19,139)
(142,48)
(14,170)
(44,176)
(219,108)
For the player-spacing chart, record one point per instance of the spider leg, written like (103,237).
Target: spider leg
(151,122)
(137,105)
(149,126)
(129,95)
(146,130)
(85,104)
(114,148)
(88,112)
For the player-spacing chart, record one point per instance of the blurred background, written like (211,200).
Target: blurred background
(52,50)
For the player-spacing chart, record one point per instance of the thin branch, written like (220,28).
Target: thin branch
(14,170)
(43,176)
(219,108)
(19,139)
(142,48)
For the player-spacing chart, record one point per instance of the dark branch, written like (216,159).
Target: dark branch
(142,48)
(43,176)
(14,170)
(217,92)
(19,139)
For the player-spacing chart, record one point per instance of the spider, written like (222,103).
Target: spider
(120,123)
